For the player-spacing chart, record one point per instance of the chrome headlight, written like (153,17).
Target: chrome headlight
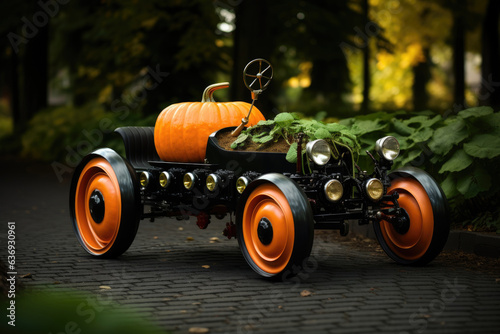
(333,190)
(387,147)
(212,182)
(144,178)
(164,179)
(189,180)
(241,184)
(318,151)
(374,189)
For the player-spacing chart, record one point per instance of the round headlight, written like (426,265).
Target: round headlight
(387,147)
(241,184)
(144,179)
(212,182)
(334,190)
(189,181)
(319,151)
(165,179)
(374,189)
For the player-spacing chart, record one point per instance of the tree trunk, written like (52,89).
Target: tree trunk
(252,39)
(421,76)
(365,105)
(459,61)
(35,76)
(490,70)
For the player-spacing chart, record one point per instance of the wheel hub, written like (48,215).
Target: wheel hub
(265,231)
(401,223)
(96,206)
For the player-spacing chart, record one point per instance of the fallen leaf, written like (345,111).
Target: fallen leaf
(105,287)
(27,276)
(280,306)
(198,330)
(497,280)
(183,311)
(189,238)
(181,228)
(305,293)
(214,239)
(206,266)
(57,282)
(155,237)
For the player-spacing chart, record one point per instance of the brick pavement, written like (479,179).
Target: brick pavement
(162,276)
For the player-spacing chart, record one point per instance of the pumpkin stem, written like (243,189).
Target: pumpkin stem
(209,91)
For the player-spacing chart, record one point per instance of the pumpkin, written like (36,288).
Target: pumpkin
(182,129)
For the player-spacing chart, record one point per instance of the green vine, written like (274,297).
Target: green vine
(289,126)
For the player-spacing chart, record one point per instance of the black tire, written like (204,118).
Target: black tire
(275,225)
(429,216)
(104,203)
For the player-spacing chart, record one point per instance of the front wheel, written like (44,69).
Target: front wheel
(427,217)
(104,203)
(275,225)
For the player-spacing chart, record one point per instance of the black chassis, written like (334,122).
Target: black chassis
(176,201)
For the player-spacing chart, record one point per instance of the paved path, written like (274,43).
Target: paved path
(165,276)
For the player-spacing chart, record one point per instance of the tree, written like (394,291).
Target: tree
(490,67)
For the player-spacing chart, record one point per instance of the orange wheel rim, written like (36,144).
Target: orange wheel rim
(268,203)
(413,244)
(98,175)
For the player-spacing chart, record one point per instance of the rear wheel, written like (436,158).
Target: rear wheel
(104,203)
(426,213)
(275,225)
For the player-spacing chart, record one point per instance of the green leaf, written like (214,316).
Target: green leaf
(449,186)
(446,137)
(284,119)
(458,161)
(409,157)
(401,128)
(483,146)
(266,122)
(361,127)
(470,184)
(336,127)
(476,112)
(241,138)
(422,135)
(322,133)
(291,155)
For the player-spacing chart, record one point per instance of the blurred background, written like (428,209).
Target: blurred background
(71,71)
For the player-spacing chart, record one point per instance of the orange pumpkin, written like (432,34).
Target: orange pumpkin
(182,129)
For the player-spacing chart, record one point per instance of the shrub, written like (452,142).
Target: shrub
(461,152)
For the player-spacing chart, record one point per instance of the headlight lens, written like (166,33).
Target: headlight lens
(189,181)
(387,147)
(318,151)
(164,179)
(374,189)
(212,182)
(241,184)
(334,190)
(144,179)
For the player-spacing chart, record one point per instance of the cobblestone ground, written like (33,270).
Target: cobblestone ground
(179,277)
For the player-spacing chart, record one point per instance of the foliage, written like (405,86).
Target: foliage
(461,152)
(54,311)
(288,126)
(56,132)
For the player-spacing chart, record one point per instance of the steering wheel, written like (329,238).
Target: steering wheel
(261,79)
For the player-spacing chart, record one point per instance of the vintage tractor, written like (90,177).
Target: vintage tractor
(178,169)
